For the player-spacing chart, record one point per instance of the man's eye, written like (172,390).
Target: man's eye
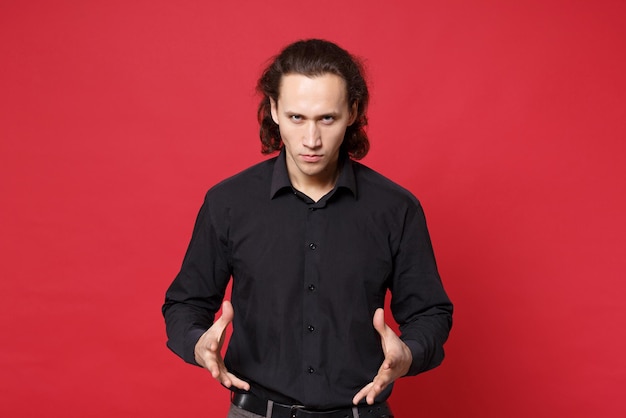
(328,119)
(295,118)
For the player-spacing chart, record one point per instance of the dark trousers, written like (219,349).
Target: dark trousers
(235,412)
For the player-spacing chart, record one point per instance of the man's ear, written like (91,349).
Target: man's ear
(353,112)
(274,110)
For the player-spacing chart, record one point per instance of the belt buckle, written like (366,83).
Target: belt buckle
(294,410)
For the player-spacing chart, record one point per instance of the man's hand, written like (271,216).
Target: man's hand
(397,361)
(209,346)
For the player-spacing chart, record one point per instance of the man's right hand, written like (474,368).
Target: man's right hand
(208,350)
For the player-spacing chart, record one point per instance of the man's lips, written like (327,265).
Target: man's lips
(310,158)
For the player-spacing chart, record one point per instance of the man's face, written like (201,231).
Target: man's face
(312,114)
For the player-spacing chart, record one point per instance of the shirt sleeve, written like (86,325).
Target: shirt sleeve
(196,293)
(419,302)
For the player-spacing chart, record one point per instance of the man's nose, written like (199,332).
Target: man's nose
(312,136)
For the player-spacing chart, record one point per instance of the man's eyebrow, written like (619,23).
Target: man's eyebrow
(322,114)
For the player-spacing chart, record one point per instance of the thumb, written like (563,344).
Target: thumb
(227,312)
(379,321)
(226,318)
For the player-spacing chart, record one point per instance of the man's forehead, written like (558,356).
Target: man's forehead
(312,85)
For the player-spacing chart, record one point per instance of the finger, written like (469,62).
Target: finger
(369,393)
(212,361)
(224,380)
(371,396)
(362,393)
(238,383)
(213,367)
(222,375)
(380,382)
(228,379)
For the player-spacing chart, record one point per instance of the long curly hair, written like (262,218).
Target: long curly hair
(314,57)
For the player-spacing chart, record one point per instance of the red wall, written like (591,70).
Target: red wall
(507,119)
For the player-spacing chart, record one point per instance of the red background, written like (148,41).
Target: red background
(506,119)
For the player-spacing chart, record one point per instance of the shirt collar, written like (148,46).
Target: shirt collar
(280,176)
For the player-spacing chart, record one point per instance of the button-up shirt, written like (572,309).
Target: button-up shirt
(307,278)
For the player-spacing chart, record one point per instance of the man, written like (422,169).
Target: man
(312,240)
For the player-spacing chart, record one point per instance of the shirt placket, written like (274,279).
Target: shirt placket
(311,332)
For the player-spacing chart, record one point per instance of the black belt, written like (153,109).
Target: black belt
(256,405)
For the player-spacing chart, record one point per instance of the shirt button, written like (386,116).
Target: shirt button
(312,246)
(311,328)
(311,287)
(311,370)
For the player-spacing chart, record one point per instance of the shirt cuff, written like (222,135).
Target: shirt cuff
(417,351)
(192,339)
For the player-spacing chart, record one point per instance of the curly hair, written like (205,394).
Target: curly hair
(314,57)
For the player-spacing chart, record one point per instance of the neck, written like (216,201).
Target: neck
(316,186)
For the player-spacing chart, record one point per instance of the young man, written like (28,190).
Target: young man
(312,241)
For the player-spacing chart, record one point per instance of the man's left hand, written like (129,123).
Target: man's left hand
(397,361)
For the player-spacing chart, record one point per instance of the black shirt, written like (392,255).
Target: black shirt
(307,278)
